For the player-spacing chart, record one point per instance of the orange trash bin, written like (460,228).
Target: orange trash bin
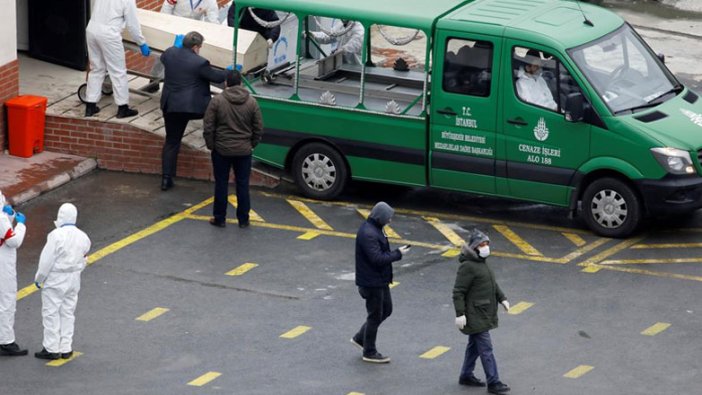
(26,116)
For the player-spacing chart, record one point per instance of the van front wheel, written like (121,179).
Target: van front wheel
(611,208)
(319,171)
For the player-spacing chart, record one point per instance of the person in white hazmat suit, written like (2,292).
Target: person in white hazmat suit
(531,86)
(350,43)
(106,52)
(61,262)
(10,240)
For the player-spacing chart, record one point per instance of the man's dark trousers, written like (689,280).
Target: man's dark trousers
(176,122)
(379,307)
(242,170)
(480,346)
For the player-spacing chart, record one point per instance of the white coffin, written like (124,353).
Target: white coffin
(160,31)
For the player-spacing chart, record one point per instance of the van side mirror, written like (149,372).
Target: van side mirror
(575,107)
(661,57)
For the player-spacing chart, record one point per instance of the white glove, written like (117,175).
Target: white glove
(461,322)
(505,304)
(404,249)
(270,43)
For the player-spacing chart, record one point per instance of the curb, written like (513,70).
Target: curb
(54,182)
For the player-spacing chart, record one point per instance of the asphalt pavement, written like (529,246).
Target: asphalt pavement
(172,305)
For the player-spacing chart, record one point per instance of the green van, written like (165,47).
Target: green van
(549,101)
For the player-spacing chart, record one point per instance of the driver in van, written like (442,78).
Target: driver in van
(531,86)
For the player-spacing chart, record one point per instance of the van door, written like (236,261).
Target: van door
(542,149)
(463,106)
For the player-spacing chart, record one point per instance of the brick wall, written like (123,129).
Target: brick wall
(9,88)
(124,147)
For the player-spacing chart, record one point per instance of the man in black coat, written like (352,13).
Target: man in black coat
(247,22)
(186,94)
(373,277)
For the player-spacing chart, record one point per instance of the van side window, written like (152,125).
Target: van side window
(468,67)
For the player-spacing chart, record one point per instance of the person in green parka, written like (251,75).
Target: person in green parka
(475,298)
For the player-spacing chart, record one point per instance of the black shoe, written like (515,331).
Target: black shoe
(12,350)
(124,111)
(166,183)
(216,223)
(376,358)
(357,343)
(152,88)
(470,381)
(91,109)
(43,354)
(243,225)
(66,355)
(498,388)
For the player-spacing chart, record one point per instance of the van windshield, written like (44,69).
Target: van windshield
(624,72)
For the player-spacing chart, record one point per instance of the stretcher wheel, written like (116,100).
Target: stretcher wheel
(83,89)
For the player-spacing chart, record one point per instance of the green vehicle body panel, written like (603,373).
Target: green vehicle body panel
(514,162)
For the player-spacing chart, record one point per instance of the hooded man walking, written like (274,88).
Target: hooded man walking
(10,240)
(233,126)
(373,277)
(475,298)
(60,264)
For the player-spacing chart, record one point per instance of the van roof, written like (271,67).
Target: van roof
(543,21)
(417,14)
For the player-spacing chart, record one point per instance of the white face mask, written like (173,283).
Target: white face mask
(484,251)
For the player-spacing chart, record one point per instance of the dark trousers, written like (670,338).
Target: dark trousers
(176,122)
(480,345)
(379,307)
(242,170)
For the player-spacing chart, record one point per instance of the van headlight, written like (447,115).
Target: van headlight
(673,160)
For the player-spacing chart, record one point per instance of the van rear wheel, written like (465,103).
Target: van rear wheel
(611,208)
(319,171)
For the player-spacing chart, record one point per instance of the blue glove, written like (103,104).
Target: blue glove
(178,43)
(231,67)
(20,218)
(7,209)
(145,50)
(36,284)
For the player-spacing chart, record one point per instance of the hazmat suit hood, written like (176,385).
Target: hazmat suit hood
(236,94)
(381,213)
(67,215)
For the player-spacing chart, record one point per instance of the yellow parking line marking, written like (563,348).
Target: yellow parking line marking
(252,214)
(241,269)
(655,329)
(60,362)
(204,379)
(448,233)
(452,252)
(131,239)
(390,232)
(517,241)
(650,261)
(309,214)
(295,332)
(576,239)
(653,273)
(590,264)
(434,352)
(394,284)
(519,308)
(355,393)
(153,313)
(583,250)
(308,235)
(578,372)
(668,245)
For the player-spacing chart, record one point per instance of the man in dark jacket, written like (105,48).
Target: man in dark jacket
(373,277)
(233,127)
(247,22)
(186,94)
(475,298)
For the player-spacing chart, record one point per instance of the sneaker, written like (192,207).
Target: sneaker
(91,109)
(216,223)
(498,388)
(43,354)
(66,355)
(124,111)
(357,343)
(12,350)
(243,225)
(376,358)
(470,381)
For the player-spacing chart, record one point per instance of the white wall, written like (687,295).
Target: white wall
(8,32)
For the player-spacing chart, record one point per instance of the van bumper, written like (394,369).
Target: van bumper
(671,194)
